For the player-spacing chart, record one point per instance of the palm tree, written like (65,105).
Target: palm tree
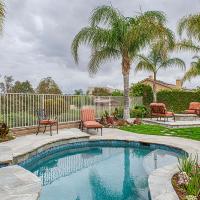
(2,14)
(155,61)
(190,26)
(114,36)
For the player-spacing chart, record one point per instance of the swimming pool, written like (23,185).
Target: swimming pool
(108,170)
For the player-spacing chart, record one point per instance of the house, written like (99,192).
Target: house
(160,85)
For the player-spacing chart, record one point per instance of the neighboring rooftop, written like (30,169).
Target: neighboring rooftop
(161,85)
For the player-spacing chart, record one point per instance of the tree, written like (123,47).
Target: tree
(117,93)
(48,86)
(2,14)
(190,26)
(7,84)
(101,92)
(114,36)
(155,61)
(22,87)
(78,92)
(141,90)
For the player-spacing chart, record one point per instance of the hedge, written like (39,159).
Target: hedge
(178,100)
(138,90)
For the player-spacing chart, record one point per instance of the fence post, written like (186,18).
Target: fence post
(109,104)
(43,102)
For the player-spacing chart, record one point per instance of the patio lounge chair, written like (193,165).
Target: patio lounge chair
(43,120)
(159,110)
(88,120)
(194,108)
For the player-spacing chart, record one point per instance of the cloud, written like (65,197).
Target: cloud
(38,34)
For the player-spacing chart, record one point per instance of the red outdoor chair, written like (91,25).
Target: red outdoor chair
(194,108)
(43,120)
(159,110)
(88,120)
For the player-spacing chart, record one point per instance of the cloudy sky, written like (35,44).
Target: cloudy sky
(38,34)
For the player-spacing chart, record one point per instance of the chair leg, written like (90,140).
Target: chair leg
(82,127)
(50,130)
(57,127)
(44,129)
(38,129)
(79,126)
(101,131)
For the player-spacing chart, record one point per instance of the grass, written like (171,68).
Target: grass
(191,133)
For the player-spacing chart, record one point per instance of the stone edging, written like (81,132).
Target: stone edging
(160,185)
(23,185)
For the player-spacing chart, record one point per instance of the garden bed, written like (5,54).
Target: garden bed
(186,182)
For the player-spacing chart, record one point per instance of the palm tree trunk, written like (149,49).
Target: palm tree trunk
(125,72)
(154,88)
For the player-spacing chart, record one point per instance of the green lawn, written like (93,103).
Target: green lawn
(191,133)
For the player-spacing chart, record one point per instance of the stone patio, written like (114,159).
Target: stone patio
(22,147)
(173,124)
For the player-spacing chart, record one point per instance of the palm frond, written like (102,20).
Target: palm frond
(194,71)
(187,45)
(148,29)
(105,15)
(101,56)
(158,16)
(174,62)
(190,25)
(145,64)
(2,14)
(94,36)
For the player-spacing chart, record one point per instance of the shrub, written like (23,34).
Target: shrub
(118,113)
(186,164)
(1,118)
(138,90)
(3,130)
(138,111)
(178,100)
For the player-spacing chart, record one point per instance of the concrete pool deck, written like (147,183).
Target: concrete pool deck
(24,147)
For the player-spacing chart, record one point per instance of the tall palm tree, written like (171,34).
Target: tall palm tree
(190,25)
(155,61)
(114,36)
(2,14)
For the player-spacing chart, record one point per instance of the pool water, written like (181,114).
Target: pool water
(100,173)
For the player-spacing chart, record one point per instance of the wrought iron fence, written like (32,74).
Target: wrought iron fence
(19,110)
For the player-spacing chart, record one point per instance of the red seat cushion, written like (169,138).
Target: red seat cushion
(194,106)
(169,114)
(190,111)
(48,121)
(92,124)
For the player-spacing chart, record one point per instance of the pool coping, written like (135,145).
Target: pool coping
(159,181)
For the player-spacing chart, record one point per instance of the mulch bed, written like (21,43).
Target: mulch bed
(179,191)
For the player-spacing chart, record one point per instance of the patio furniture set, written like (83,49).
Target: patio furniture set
(88,121)
(159,110)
